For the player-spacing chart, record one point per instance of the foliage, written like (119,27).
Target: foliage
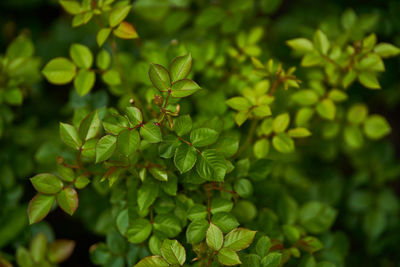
(199,143)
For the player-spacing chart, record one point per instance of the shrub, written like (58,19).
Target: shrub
(202,149)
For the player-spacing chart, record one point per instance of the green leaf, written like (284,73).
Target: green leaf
(305,97)
(281,122)
(173,252)
(81,182)
(125,30)
(369,80)
(317,217)
(283,143)
(134,115)
(183,88)
(260,169)
(243,187)
(39,207)
(38,247)
(13,96)
(273,259)
(185,157)
(228,257)
(159,77)
(261,148)
(180,67)
(152,261)
(203,137)
(225,221)
(376,127)
(47,183)
(299,132)
(90,126)
(59,71)
(81,55)
(241,117)
(159,174)
(337,95)
(353,136)
(321,42)
(151,132)
(103,59)
(238,103)
(357,113)
(102,36)
(196,231)
(128,141)
(220,205)
(311,244)
(139,231)
(211,166)
(84,81)
(70,135)
(214,237)
(60,250)
(387,50)
(301,45)
(183,125)
(263,245)
(168,224)
(168,146)
(326,109)
(105,147)
(67,199)
(147,194)
(239,238)
(72,7)
(118,14)
(111,77)
(23,258)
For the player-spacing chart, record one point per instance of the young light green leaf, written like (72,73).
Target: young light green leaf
(214,237)
(321,42)
(159,77)
(59,71)
(281,122)
(376,127)
(326,109)
(111,77)
(81,55)
(103,59)
(203,137)
(70,135)
(118,14)
(173,252)
(84,81)
(273,259)
(301,45)
(38,247)
(151,132)
(239,238)
(128,141)
(211,166)
(102,36)
(152,261)
(67,199)
(283,143)
(180,67)
(125,30)
(72,7)
(39,207)
(185,157)
(47,183)
(134,115)
(387,50)
(261,148)
(263,245)
(238,103)
(81,182)
(183,88)
(299,132)
(228,257)
(105,147)
(369,80)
